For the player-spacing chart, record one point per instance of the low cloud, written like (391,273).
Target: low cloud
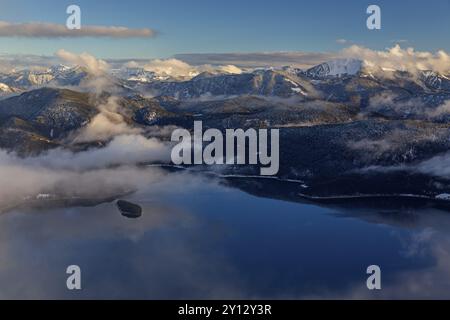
(107,124)
(51,30)
(438,166)
(400,142)
(399,41)
(122,150)
(395,58)
(442,110)
(343,41)
(142,264)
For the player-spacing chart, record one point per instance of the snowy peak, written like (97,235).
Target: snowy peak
(336,68)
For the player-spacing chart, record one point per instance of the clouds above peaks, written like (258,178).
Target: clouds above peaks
(259,59)
(94,65)
(397,58)
(51,30)
(343,41)
(178,68)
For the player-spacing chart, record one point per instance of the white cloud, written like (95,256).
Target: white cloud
(400,41)
(259,59)
(131,64)
(51,30)
(442,110)
(230,69)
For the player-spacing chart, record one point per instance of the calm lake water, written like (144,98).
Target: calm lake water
(198,239)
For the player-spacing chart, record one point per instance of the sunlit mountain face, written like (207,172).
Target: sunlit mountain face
(244,174)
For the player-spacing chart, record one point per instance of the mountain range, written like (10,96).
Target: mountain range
(340,122)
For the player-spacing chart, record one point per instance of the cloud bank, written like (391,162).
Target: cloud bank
(170,67)
(177,68)
(51,30)
(107,124)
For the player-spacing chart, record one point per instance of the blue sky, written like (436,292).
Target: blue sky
(209,26)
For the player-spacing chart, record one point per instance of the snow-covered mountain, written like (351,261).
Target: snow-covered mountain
(136,74)
(56,75)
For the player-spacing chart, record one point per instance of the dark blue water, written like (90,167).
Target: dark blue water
(202,240)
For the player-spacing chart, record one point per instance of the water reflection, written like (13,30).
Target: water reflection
(200,239)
